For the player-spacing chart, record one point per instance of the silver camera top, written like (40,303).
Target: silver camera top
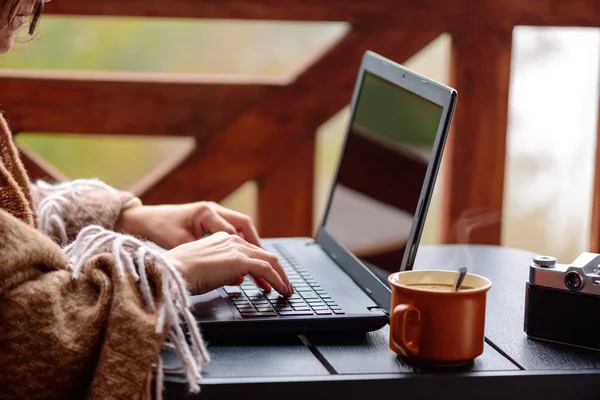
(582,276)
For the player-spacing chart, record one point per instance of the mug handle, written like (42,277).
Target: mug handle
(400,318)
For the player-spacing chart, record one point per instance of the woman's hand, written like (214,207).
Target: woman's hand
(220,259)
(172,225)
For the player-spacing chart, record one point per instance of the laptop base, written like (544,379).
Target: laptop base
(217,314)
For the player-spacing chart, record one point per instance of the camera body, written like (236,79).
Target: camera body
(562,302)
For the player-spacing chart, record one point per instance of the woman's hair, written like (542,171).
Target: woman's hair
(10,9)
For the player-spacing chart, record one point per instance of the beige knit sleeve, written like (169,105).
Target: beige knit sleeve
(88,320)
(66,208)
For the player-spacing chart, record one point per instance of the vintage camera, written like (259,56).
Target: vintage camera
(562,302)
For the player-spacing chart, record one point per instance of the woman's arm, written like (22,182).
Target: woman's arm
(64,209)
(87,320)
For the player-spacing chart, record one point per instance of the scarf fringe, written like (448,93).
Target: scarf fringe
(131,256)
(60,197)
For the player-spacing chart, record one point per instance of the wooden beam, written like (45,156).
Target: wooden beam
(594,245)
(475,159)
(267,134)
(408,15)
(285,195)
(62,105)
(38,168)
(162,170)
(309,10)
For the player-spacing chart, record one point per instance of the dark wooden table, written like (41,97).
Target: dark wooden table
(355,367)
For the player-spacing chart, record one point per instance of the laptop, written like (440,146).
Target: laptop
(374,215)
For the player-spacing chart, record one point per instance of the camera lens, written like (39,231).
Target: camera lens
(573,280)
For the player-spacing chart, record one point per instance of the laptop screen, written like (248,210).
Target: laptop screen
(382,171)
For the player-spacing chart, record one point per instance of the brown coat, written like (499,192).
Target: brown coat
(61,337)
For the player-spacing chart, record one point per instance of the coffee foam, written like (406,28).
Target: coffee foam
(435,277)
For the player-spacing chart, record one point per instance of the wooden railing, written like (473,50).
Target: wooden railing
(264,129)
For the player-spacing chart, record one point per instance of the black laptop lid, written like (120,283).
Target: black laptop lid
(387,169)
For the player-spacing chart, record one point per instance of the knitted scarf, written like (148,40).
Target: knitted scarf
(84,311)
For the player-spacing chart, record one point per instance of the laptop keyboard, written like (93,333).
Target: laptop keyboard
(309,297)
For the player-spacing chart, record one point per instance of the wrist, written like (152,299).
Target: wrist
(180,266)
(130,218)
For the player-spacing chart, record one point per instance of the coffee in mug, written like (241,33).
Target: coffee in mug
(438,287)
(431,322)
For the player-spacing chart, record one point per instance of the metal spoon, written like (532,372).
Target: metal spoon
(461,276)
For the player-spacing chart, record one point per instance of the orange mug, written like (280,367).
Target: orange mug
(431,322)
